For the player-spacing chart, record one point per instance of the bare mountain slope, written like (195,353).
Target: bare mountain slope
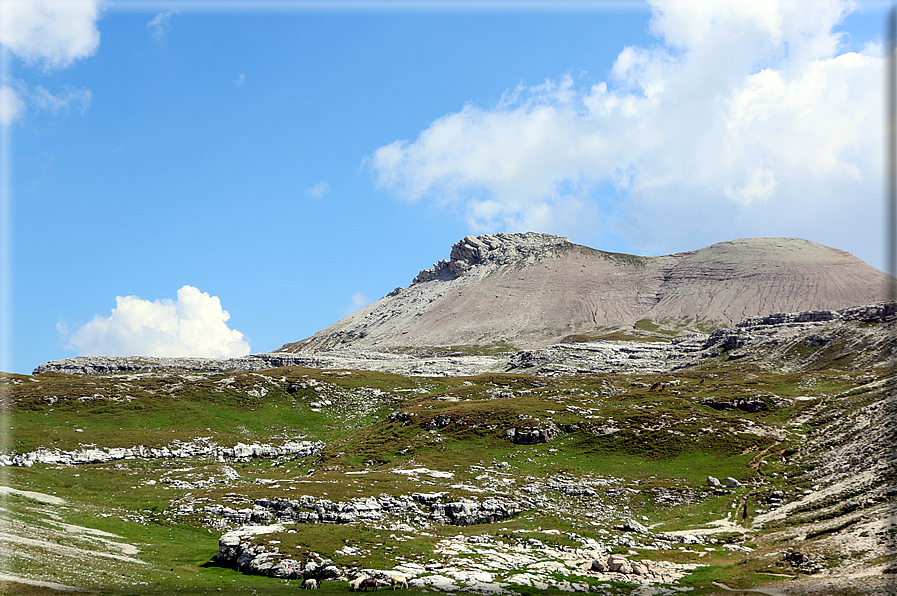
(529,290)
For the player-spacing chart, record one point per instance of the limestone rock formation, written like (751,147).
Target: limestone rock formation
(531,290)
(422,509)
(531,435)
(183,450)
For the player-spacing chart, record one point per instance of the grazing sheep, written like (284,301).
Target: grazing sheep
(399,581)
(355,583)
(310,584)
(368,582)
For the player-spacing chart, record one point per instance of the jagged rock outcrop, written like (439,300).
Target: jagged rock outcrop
(531,290)
(490,250)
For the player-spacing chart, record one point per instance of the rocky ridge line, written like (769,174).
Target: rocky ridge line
(423,509)
(198,448)
(104,365)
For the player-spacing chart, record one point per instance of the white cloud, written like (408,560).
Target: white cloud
(11,106)
(747,118)
(42,99)
(359,301)
(240,80)
(192,325)
(160,25)
(16,100)
(51,33)
(318,190)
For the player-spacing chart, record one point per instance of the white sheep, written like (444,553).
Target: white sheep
(353,584)
(310,584)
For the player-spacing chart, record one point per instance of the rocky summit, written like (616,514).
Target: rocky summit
(533,290)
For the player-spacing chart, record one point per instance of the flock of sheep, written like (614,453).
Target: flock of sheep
(362,583)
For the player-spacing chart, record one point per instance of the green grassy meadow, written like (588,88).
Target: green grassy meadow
(632,444)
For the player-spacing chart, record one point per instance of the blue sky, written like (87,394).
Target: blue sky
(288,162)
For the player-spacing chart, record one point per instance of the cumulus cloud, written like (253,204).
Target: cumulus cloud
(318,190)
(50,33)
(194,325)
(11,106)
(160,25)
(745,121)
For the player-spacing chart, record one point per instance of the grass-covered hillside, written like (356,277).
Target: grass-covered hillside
(495,483)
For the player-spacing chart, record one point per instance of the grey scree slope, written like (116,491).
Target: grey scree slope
(530,290)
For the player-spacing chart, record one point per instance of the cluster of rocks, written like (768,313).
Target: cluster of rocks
(745,404)
(532,435)
(527,360)
(571,489)
(237,549)
(490,250)
(197,448)
(801,561)
(729,482)
(620,564)
(673,497)
(420,509)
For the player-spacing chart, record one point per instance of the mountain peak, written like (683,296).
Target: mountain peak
(531,290)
